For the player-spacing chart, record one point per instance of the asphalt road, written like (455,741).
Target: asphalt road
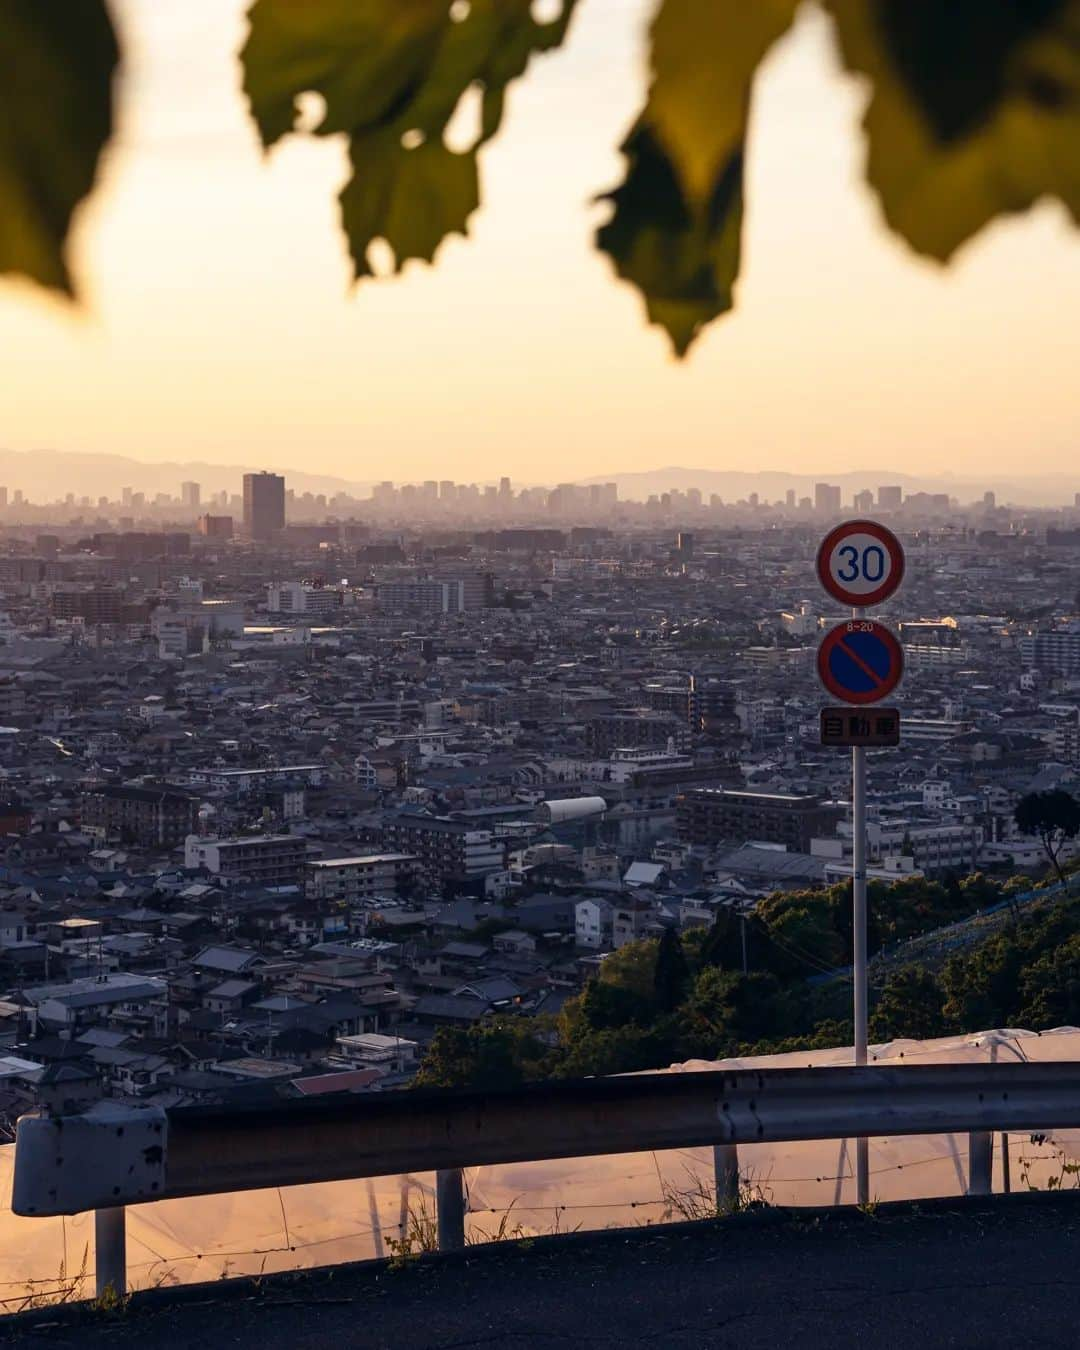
(1004,1272)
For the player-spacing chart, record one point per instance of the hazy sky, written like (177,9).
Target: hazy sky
(219,324)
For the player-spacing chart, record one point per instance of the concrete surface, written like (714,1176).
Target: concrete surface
(958,1273)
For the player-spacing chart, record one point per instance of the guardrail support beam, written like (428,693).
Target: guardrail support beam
(450,1209)
(110,1251)
(726,1173)
(980,1162)
(127,1155)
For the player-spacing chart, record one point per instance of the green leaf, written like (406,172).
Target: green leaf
(975,110)
(683,258)
(56,69)
(704,56)
(407,199)
(392,73)
(676,228)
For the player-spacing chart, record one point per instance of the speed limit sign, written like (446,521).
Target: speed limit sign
(860,563)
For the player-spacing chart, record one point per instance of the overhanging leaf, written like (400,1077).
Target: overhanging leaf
(975,110)
(56,69)
(704,56)
(676,228)
(406,199)
(392,73)
(684,258)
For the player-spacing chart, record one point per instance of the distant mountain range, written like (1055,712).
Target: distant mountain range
(43,475)
(733,485)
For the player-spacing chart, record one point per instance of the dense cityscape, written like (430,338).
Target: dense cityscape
(300,806)
(539,674)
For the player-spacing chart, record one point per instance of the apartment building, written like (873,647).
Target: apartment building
(150,817)
(267,859)
(302,597)
(447,849)
(438,595)
(706,816)
(358,878)
(1052,651)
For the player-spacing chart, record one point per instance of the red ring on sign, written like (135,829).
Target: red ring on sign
(886,538)
(884,685)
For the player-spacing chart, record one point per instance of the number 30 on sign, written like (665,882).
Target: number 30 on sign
(860,563)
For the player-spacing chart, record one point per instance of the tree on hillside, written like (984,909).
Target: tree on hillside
(722,944)
(492,1054)
(725,1007)
(1049,989)
(909,1005)
(671,973)
(605,1005)
(632,966)
(1052,816)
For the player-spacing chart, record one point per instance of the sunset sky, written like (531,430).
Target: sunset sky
(218,322)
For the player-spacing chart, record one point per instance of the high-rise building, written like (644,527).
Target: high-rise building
(826,498)
(3,497)
(890,498)
(864,501)
(989,500)
(264,504)
(190,495)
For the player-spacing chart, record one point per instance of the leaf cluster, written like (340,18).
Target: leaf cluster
(973,112)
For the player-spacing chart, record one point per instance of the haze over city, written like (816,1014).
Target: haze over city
(218,324)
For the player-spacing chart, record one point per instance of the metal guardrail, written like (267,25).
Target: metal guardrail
(115,1155)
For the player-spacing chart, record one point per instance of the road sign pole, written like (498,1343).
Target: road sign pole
(859,563)
(858,928)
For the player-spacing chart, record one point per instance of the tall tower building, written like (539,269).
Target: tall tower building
(264,504)
(190,495)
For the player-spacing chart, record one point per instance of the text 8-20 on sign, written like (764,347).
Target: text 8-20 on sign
(860,563)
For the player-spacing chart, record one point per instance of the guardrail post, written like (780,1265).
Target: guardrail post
(726,1174)
(110,1251)
(450,1209)
(1006,1168)
(980,1162)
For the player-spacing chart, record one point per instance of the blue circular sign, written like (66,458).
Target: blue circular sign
(860,661)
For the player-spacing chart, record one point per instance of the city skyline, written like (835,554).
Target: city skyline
(217,323)
(88,478)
